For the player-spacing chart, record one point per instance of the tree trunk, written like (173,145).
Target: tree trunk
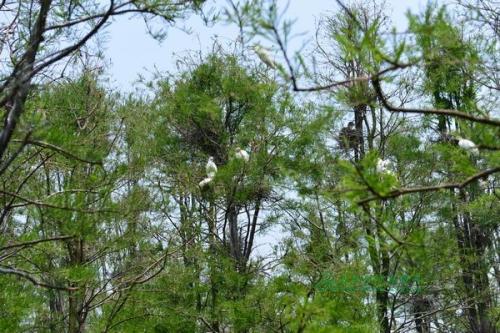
(420,308)
(76,313)
(472,241)
(234,237)
(18,86)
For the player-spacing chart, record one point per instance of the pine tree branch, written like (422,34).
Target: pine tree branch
(27,276)
(35,242)
(421,189)
(59,150)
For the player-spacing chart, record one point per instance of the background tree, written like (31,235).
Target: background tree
(44,36)
(390,239)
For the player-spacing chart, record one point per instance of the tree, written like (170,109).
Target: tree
(41,36)
(360,62)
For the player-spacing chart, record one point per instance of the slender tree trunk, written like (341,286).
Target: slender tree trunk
(74,324)
(359,115)
(76,313)
(382,295)
(420,308)
(379,256)
(213,270)
(472,241)
(251,232)
(18,86)
(56,308)
(234,237)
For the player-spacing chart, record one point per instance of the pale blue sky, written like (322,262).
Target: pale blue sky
(131,51)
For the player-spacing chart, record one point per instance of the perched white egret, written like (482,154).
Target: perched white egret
(211,168)
(241,154)
(205,182)
(383,166)
(468,145)
(483,184)
(264,56)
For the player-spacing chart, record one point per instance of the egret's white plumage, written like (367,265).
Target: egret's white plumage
(468,145)
(241,154)
(264,56)
(205,182)
(383,166)
(211,168)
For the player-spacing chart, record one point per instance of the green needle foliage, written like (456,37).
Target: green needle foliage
(360,208)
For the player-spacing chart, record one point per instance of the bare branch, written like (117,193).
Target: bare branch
(445,112)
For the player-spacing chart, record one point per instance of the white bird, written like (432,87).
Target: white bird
(468,145)
(241,154)
(205,182)
(264,56)
(383,166)
(211,168)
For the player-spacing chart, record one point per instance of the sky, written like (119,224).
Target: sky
(130,51)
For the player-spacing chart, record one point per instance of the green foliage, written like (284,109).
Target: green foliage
(104,228)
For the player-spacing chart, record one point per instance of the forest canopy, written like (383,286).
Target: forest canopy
(348,185)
